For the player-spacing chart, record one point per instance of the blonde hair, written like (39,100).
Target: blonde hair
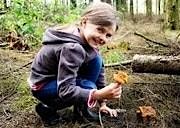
(101,14)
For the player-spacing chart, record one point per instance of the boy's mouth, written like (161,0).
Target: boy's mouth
(97,41)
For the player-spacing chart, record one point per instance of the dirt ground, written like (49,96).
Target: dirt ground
(160,91)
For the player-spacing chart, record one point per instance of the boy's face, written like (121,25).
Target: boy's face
(97,35)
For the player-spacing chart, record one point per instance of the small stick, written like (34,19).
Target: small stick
(100,120)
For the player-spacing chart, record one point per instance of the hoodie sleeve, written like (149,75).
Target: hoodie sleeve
(71,57)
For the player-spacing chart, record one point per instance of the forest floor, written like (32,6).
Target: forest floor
(161,91)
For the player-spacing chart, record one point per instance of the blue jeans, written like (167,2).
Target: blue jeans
(87,77)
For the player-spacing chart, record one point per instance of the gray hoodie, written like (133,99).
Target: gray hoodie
(60,58)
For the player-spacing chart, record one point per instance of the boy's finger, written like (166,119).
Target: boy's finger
(120,110)
(118,90)
(117,97)
(115,113)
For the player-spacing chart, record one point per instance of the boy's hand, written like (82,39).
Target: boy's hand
(106,109)
(111,91)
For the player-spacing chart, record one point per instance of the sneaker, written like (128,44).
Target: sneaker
(48,115)
(83,113)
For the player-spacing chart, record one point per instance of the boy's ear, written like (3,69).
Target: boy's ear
(84,21)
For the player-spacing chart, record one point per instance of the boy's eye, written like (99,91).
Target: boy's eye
(108,35)
(100,30)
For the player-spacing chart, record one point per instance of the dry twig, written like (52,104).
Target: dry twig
(146,38)
(17,69)
(100,120)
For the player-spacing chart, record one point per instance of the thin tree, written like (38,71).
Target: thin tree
(136,6)
(148,8)
(7,3)
(132,8)
(159,7)
(121,5)
(74,4)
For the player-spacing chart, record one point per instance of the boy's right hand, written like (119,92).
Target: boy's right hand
(111,91)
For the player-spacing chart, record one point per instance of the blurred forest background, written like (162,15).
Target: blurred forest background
(147,27)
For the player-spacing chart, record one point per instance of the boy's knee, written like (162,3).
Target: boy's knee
(87,84)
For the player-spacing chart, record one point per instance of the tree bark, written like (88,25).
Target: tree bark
(7,3)
(132,8)
(172,15)
(149,8)
(121,5)
(136,6)
(159,7)
(156,64)
(73,2)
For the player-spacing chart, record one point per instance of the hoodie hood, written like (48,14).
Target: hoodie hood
(67,35)
(61,35)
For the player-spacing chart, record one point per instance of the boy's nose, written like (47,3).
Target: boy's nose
(102,41)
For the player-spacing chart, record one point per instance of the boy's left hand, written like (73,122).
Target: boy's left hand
(106,109)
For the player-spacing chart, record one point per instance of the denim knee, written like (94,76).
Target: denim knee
(86,84)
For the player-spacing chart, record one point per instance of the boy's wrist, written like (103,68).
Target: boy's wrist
(96,95)
(91,100)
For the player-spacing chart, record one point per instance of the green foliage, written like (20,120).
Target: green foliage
(112,52)
(30,18)
(1,5)
(113,57)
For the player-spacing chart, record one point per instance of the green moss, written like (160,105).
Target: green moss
(24,99)
(23,103)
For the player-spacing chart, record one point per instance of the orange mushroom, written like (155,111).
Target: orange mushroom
(146,112)
(121,77)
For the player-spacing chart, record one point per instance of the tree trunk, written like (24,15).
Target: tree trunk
(107,1)
(164,6)
(90,1)
(136,6)
(159,7)
(156,7)
(121,5)
(172,15)
(73,2)
(148,8)
(7,3)
(132,8)
(156,64)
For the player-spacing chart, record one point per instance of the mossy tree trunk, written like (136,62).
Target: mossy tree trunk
(164,6)
(172,14)
(149,8)
(121,5)
(136,6)
(132,8)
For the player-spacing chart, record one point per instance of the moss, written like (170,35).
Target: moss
(24,99)
(23,103)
